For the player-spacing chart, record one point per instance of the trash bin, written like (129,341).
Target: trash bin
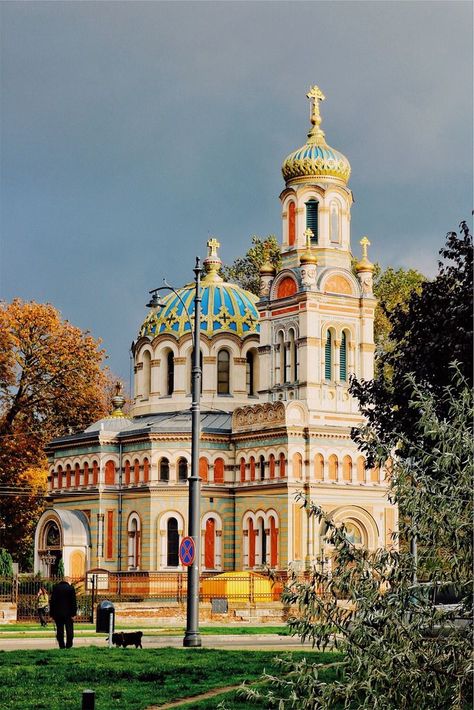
(105,617)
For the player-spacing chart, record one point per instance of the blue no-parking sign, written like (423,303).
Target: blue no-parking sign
(187,551)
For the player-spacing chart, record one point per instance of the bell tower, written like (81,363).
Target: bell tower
(316,313)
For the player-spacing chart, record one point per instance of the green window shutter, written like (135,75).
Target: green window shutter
(312,219)
(328,357)
(343,358)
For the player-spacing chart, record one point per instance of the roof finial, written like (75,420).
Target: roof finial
(315,95)
(364,264)
(212,263)
(118,401)
(308,256)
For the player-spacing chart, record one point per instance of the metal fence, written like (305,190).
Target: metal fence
(165,588)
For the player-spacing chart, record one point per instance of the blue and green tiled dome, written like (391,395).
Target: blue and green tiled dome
(315,159)
(225,308)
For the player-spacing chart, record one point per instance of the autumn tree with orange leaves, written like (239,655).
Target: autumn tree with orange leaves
(52,382)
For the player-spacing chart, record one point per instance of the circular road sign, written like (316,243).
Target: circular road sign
(187,551)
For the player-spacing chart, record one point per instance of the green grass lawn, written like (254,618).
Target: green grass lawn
(128,678)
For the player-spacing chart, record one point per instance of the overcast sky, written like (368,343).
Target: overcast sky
(132,131)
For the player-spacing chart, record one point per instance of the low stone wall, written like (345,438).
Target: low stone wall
(154,612)
(8,613)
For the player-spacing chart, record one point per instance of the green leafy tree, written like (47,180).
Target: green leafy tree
(61,568)
(400,650)
(433,330)
(393,289)
(245,271)
(6,563)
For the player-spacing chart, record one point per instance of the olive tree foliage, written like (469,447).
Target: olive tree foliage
(400,651)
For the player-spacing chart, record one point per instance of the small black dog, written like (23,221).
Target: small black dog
(130,638)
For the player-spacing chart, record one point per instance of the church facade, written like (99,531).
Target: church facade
(276,411)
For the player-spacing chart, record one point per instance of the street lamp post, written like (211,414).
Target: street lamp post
(192,637)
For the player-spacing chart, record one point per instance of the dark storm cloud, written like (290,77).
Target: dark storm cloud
(131,131)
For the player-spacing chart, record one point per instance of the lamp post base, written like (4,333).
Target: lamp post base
(192,640)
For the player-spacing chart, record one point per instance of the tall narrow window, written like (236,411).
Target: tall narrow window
(182,470)
(219,471)
(249,374)
(169,373)
(223,372)
(263,542)
(334,224)
(146,374)
(291,223)
(312,219)
(283,363)
(293,357)
(262,468)
(164,470)
(328,356)
(172,557)
(343,358)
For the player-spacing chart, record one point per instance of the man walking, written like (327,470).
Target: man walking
(62,608)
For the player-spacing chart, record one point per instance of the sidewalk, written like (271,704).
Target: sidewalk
(262,642)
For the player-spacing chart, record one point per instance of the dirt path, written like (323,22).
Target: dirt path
(195,698)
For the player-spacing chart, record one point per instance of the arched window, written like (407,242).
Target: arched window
(283,363)
(361,469)
(60,476)
(333,465)
(223,372)
(297,466)
(291,223)
(263,541)
(343,358)
(52,536)
(252,468)
(282,466)
(169,373)
(109,473)
(353,533)
(164,470)
(146,470)
(77,475)
(347,468)
(172,552)
(271,466)
(242,470)
(182,470)
(262,468)
(319,467)
(203,468)
(136,471)
(95,473)
(250,373)
(312,219)
(293,356)
(134,541)
(273,542)
(219,471)
(210,544)
(146,374)
(68,476)
(86,474)
(334,224)
(251,536)
(328,356)
(127,472)
(375,474)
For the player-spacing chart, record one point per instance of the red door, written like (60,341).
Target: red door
(209,545)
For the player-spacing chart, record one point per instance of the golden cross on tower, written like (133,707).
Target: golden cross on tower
(213,246)
(309,234)
(315,95)
(364,242)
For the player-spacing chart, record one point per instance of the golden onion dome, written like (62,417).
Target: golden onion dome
(315,159)
(364,264)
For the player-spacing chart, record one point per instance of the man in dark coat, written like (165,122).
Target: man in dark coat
(62,608)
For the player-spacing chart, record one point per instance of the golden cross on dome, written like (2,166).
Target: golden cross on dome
(315,95)
(364,242)
(213,246)
(309,234)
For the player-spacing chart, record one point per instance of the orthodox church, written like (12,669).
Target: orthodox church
(276,411)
